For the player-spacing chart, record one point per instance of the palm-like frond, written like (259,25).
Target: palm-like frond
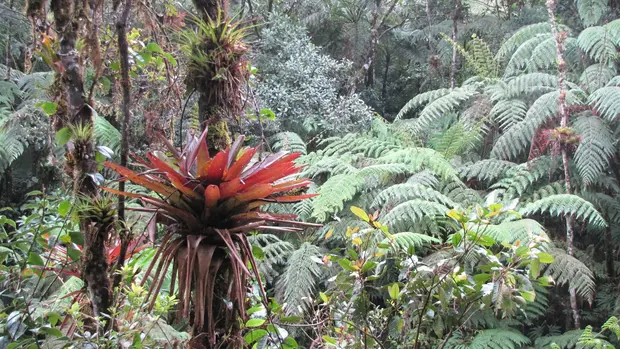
(404,216)
(595,149)
(296,286)
(399,193)
(565,204)
(569,270)
(606,102)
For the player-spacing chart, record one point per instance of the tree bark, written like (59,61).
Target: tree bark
(123,50)
(80,154)
(455,17)
(570,234)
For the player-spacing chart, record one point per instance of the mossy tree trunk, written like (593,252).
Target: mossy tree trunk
(74,112)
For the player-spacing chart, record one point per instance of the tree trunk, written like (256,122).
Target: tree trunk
(123,50)
(80,156)
(609,254)
(570,234)
(384,96)
(455,17)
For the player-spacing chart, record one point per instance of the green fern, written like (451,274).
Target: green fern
(404,216)
(288,141)
(565,204)
(521,58)
(600,42)
(520,37)
(595,149)
(487,170)
(419,159)
(421,99)
(334,193)
(491,338)
(399,193)
(569,270)
(524,230)
(106,134)
(275,251)
(402,242)
(606,102)
(567,340)
(596,76)
(425,178)
(591,11)
(295,288)
(508,112)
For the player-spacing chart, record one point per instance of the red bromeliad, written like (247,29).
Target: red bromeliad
(210,203)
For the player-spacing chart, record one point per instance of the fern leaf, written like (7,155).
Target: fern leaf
(508,112)
(288,141)
(532,82)
(334,193)
(425,178)
(520,37)
(106,134)
(400,193)
(485,170)
(565,204)
(596,76)
(595,149)
(421,99)
(520,58)
(419,159)
(606,102)
(404,216)
(591,11)
(276,253)
(524,230)
(442,105)
(403,241)
(569,270)
(599,44)
(296,286)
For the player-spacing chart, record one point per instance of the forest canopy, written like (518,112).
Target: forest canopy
(310,174)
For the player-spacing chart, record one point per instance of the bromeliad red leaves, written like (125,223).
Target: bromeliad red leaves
(201,191)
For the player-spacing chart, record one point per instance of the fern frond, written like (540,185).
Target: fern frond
(606,102)
(544,56)
(565,204)
(522,56)
(491,338)
(425,178)
(461,194)
(399,193)
(596,76)
(524,230)
(554,188)
(404,216)
(595,149)
(295,288)
(569,270)
(519,179)
(276,253)
(419,159)
(288,141)
(531,83)
(106,134)
(11,147)
(591,11)
(567,340)
(508,112)
(421,99)
(442,105)
(403,241)
(599,44)
(485,170)
(520,37)
(334,193)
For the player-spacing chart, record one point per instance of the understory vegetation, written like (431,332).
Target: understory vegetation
(310,174)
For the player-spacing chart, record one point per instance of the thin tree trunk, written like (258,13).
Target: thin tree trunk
(570,234)
(384,96)
(123,50)
(609,255)
(80,162)
(455,17)
(369,66)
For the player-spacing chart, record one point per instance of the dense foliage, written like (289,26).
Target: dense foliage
(404,174)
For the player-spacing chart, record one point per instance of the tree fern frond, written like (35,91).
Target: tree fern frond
(596,76)
(532,82)
(517,138)
(569,270)
(403,241)
(106,134)
(421,99)
(554,188)
(334,193)
(567,340)
(565,204)
(461,194)
(276,253)
(591,11)
(599,44)
(425,178)
(508,112)
(297,284)
(288,141)
(442,105)
(499,338)
(455,140)
(606,102)
(11,147)
(520,58)
(404,216)
(399,193)
(419,159)
(519,179)
(595,148)
(330,165)
(520,37)
(524,230)
(485,170)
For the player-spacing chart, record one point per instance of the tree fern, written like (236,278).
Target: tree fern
(295,288)
(400,193)
(421,99)
(401,242)
(106,134)
(519,179)
(425,178)
(569,270)
(520,37)
(600,43)
(596,76)
(567,340)
(288,141)
(11,147)
(544,56)
(606,102)
(499,338)
(487,170)
(524,230)
(523,54)
(531,82)
(508,112)
(461,194)
(405,215)
(595,149)
(554,188)
(419,159)
(565,204)
(455,140)
(442,105)
(276,253)
(334,193)
(591,11)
